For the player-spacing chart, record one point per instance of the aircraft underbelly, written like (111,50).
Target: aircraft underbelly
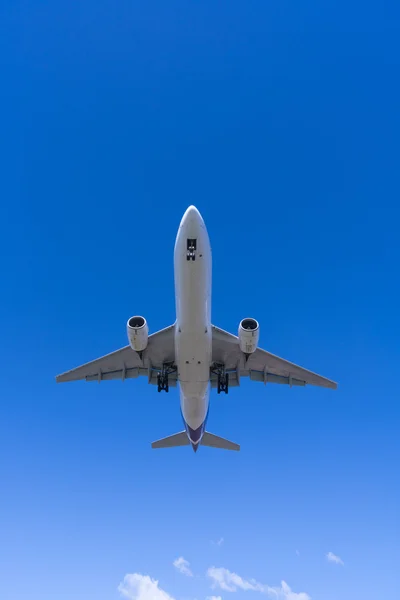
(194,373)
(193,334)
(193,352)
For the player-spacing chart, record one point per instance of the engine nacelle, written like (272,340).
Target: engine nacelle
(249,332)
(138,333)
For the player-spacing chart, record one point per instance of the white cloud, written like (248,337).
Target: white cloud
(285,593)
(334,559)
(183,566)
(136,586)
(219,542)
(141,587)
(232,582)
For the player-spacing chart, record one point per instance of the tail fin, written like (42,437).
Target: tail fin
(214,441)
(178,439)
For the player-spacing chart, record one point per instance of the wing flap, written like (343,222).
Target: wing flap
(133,374)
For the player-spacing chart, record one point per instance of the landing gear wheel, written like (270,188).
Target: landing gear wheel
(162,377)
(218,369)
(223,383)
(162,382)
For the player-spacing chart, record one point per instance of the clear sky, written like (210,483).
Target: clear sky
(280,121)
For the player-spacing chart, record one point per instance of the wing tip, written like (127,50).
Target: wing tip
(68,376)
(332,385)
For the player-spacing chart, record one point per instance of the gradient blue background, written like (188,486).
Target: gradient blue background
(280,122)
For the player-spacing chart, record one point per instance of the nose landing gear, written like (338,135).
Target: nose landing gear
(191,249)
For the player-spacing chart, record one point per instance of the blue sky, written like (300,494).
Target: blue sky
(280,122)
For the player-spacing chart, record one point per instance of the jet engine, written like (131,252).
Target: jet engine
(249,332)
(138,333)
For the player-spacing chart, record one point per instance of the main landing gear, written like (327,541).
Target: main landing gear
(223,383)
(222,378)
(162,377)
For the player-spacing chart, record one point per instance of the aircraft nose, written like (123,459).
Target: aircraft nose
(192,217)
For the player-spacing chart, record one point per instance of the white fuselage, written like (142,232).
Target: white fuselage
(193,333)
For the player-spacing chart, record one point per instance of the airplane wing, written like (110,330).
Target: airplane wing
(127,364)
(260,366)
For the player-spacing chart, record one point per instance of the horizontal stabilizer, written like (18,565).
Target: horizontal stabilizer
(172,441)
(214,441)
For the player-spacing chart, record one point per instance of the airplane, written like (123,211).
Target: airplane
(193,353)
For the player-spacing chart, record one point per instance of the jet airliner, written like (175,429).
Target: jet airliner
(193,353)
